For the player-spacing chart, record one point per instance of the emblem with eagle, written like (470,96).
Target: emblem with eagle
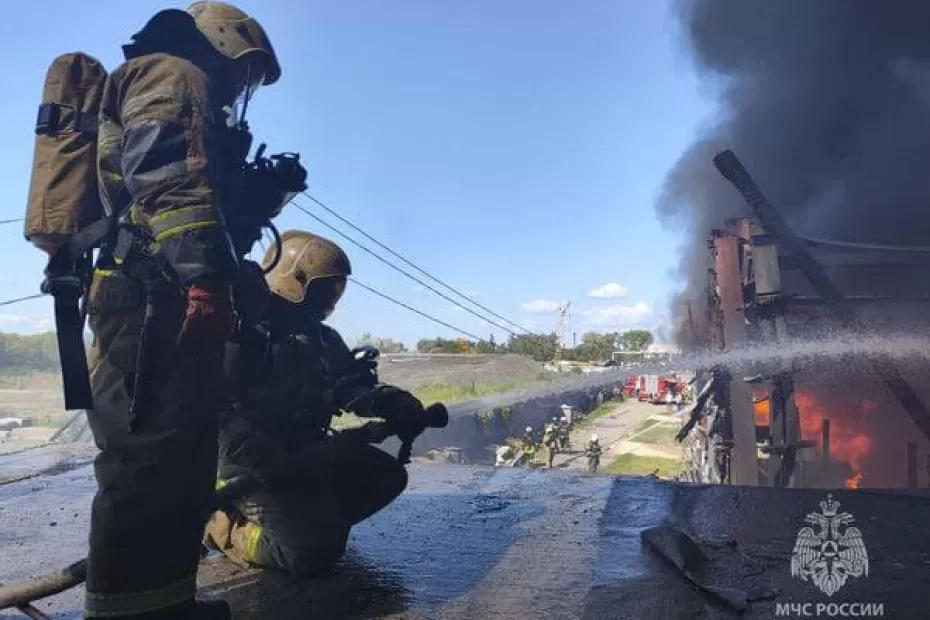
(831,551)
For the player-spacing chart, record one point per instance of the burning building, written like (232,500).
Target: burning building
(853,412)
(828,103)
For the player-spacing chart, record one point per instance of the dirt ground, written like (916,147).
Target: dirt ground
(618,432)
(36,396)
(410,370)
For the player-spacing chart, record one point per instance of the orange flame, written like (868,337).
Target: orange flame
(848,439)
(761,411)
(854,481)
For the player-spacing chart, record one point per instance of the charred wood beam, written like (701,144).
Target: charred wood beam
(732,169)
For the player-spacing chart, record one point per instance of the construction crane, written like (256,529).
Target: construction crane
(561,313)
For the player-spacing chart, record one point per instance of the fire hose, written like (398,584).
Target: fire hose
(21,594)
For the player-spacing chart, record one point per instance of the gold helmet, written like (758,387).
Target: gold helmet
(305,257)
(237,36)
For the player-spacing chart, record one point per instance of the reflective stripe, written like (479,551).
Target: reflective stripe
(177,230)
(126,603)
(220,483)
(253,533)
(177,221)
(105,273)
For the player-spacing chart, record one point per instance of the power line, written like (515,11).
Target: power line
(412,309)
(401,270)
(13,221)
(411,263)
(15,301)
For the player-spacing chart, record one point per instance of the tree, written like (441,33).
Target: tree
(541,347)
(635,340)
(37,352)
(486,346)
(385,345)
(594,347)
(441,345)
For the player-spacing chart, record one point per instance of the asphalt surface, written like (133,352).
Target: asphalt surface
(474,542)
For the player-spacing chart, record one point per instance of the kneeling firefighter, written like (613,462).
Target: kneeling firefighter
(292,374)
(169,151)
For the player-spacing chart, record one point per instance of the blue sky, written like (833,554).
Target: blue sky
(513,148)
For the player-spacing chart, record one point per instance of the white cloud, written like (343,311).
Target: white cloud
(540,306)
(611,290)
(618,314)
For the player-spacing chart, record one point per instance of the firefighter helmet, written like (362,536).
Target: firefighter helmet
(305,257)
(237,36)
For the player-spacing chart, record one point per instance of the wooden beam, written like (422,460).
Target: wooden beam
(732,169)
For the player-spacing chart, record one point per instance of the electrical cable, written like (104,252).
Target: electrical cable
(411,263)
(412,309)
(15,301)
(403,271)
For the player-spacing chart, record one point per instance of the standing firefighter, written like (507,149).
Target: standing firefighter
(593,452)
(293,374)
(551,441)
(160,301)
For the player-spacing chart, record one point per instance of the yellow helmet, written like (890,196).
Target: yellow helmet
(305,257)
(236,35)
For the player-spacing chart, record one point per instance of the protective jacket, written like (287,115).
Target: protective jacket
(160,161)
(284,376)
(160,164)
(314,485)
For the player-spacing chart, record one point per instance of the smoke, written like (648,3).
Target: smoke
(828,105)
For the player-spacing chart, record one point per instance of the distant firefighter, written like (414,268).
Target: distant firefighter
(593,452)
(551,441)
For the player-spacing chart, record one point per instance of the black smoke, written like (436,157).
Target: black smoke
(827,103)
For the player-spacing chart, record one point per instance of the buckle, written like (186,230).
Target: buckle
(48,119)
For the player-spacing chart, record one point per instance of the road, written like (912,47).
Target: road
(615,430)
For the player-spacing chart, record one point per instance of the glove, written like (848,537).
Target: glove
(209,320)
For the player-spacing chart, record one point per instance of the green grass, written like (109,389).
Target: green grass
(633,465)
(662,434)
(451,393)
(606,408)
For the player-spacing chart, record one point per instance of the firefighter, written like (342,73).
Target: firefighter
(528,447)
(563,433)
(293,374)
(593,452)
(160,303)
(551,441)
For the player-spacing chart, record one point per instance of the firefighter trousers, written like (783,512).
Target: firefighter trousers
(156,469)
(305,530)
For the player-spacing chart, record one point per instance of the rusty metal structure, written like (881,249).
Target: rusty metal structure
(767,286)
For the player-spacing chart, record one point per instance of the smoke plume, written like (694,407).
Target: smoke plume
(828,105)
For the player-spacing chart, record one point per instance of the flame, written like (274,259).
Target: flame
(761,410)
(854,481)
(848,438)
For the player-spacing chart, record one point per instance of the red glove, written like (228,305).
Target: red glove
(210,318)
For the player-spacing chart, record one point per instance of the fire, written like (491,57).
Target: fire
(848,439)
(761,410)
(854,481)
